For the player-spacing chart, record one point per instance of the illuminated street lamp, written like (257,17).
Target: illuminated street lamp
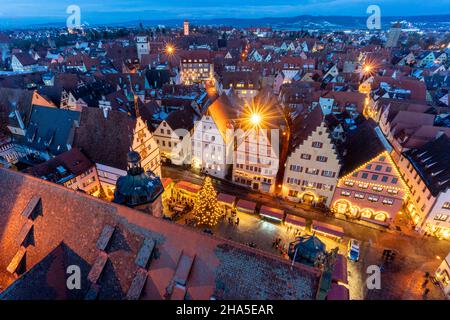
(255,119)
(170,49)
(367,68)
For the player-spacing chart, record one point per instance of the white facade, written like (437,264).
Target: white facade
(173,145)
(256,160)
(209,148)
(143,46)
(312,170)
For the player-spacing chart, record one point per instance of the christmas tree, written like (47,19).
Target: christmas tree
(206,208)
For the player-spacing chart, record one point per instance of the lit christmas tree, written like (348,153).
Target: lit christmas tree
(206,208)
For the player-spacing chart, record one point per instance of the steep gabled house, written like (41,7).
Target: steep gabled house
(426,172)
(313,164)
(173,136)
(71,169)
(370,186)
(23,62)
(107,139)
(210,140)
(259,147)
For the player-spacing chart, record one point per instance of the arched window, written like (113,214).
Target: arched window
(342,206)
(367,213)
(381,216)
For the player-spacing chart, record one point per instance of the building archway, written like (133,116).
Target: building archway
(308,198)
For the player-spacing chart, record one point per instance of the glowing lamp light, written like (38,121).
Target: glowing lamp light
(255,119)
(170,49)
(367,68)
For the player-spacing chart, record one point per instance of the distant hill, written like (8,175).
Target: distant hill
(279,23)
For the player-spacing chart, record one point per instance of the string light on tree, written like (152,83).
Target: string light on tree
(207,211)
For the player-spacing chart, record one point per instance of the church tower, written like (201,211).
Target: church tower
(186,27)
(143,45)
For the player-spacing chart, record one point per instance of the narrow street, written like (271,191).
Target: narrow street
(401,279)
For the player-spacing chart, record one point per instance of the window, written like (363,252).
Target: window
(394,180)
(312,171)
(388,201)
(375,177)
(392,191)
(349,183)
(384,179)
(382,159)
(376,188)
(388,169)
(372,198)
(369,166)
(364,175)
(306,156)
(293,193)
(359,195)
(363,185)
(441,217)
(321,159)
(446,205)
(317,144)
(378,167)
(330,174)
(345,193)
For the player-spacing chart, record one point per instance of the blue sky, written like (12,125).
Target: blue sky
(104,11)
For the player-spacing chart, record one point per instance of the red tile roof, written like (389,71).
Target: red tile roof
(70,223)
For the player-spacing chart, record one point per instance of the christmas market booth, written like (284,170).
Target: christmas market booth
(226,201)
(295,221)
(168,185)
(327,230)
(187,191)
(244,206)
(272,213)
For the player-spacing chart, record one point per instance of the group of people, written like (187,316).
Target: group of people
(233,219)
(296,232)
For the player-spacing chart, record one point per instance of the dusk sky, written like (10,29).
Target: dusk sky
(95,11)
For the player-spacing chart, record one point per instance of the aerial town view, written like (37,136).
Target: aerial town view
(201,150)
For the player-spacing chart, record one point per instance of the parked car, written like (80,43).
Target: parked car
(353,250)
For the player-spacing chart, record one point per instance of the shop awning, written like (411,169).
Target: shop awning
(338,292)
(327,229)
(246,206)
(340,269)
(188,186)
(272,213)
(295,220)
(226,199)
